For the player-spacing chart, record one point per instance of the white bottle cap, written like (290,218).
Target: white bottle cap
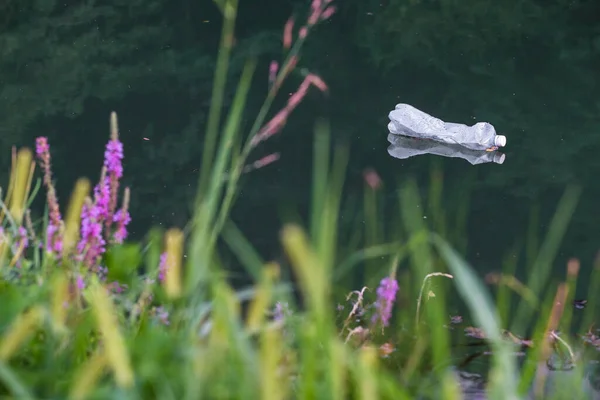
(500,140)
(499,158)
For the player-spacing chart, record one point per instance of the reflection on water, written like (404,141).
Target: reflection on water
(404,147)
(558,381)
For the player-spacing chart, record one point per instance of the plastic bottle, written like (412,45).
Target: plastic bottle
(409,121)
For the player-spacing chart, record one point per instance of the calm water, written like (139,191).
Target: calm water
(502,195)
(531,71)
(535,90)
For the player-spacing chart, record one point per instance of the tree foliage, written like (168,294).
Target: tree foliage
(63,66)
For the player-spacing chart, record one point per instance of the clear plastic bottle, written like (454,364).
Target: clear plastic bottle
(409,121)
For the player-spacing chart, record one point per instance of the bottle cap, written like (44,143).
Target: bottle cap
(500,140)
(499,158)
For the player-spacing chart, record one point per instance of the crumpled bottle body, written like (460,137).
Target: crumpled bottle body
(409,121)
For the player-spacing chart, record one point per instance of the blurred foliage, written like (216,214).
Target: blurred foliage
(529,67)
(450,35)
(148,341)
(65,65)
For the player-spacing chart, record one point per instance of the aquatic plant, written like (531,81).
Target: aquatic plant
(80,320)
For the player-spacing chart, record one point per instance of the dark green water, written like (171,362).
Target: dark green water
(530,75)
(528,68)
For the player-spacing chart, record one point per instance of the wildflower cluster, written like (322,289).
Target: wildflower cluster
(101,222)
(98,213)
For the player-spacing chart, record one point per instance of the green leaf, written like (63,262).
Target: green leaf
(239,244)
(153,249)
(478,300)
(12,381)
(122,261)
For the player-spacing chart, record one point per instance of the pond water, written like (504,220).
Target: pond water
(536,87)
(529,70)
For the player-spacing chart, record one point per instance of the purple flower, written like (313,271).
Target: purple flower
(122,219)
(41,147)
(80,282)
(91,245)
(117,288)
(53,239)
(23,240)
(102,198)
(280,311)
(161,314)
(162,267)
(113,156)
(53,233)
(101,272)
(386,294)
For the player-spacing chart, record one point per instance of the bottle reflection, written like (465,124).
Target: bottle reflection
(403,147)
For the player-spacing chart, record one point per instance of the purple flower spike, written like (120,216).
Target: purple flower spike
(121,218)
(386,295)
(162,267)
(91,245)
(54,240)
(53,233)
(41,147)
(113,162)
(113,157)
(102,198)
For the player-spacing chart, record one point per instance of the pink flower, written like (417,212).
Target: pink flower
(53,233)
(287,33)
(102,198)
(42,149)
(386,295)
(329,11)
(113,157)
(161,314)
(122,219)
(372,178)
(91,246)
(113,162)
(80,282)
(23,240)
(162,267)
(273,67)
(316,11)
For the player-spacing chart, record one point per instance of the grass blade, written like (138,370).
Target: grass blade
(540,271)
(483,312)
(12,382)
(229,10)
(205,229)
(320,173)
(243,249)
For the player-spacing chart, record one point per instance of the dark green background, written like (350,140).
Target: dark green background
(528,67)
